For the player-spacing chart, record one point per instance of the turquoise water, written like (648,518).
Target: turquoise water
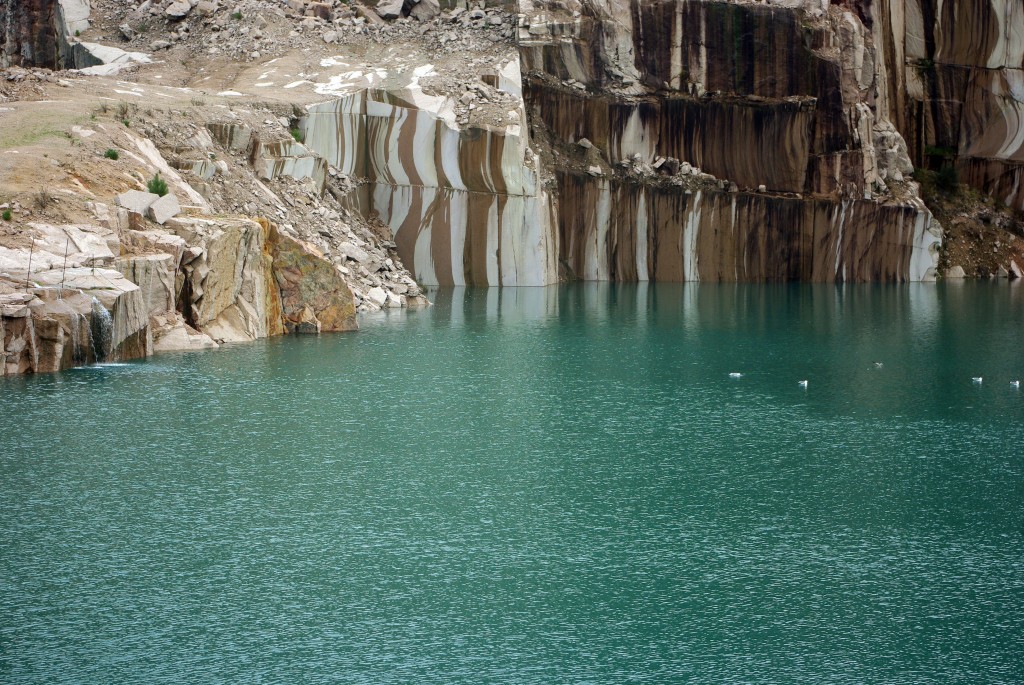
(556,485)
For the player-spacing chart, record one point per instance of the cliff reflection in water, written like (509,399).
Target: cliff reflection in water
(925,336)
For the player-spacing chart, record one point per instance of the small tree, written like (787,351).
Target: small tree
(157,185)
(947,179)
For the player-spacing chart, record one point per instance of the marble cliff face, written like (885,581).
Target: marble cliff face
(959,90)
(650,140)
(796,169)
(464,204)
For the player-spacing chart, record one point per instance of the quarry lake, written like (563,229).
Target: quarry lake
(546,485)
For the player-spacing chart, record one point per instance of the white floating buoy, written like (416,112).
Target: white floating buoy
(735,374)
(802,384)
(1015,384)
(878,365)
(976,380)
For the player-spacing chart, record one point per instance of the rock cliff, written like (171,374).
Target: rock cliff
(316,149)
(747,136)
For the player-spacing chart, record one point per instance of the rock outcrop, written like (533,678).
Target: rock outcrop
(27,33)
(313,296)
(76,309)
(77,294)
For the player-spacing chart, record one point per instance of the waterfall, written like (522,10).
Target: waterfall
(102,330)
(75,324)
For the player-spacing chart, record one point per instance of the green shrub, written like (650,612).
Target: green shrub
(939,151)
(236,15)
(111,153)
(947,179)
(297,135)
(157,185)
(7,215)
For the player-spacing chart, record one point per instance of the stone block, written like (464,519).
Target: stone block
(136,201)
(164,208)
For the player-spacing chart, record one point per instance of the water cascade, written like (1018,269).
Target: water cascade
(75,324)
(102,330)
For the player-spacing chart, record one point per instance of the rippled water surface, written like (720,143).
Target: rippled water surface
(557,485)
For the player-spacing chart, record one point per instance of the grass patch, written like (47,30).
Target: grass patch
(297,134)
(111,153)
(7,215)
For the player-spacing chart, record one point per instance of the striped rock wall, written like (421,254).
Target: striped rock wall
(629,232)
(464,204)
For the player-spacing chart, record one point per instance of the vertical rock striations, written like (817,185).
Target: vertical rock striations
(725,141)
(956,86)
(464,203)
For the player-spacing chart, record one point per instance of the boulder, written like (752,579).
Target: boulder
(955,272)
(136,200)
(354,252)
(377,296)
(314,296)
(321,10)
(164,208)
(425,10)
(389,9)
(172,334)
(206,8)
(178,9)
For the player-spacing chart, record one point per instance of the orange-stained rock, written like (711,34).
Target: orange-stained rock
(313,295)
